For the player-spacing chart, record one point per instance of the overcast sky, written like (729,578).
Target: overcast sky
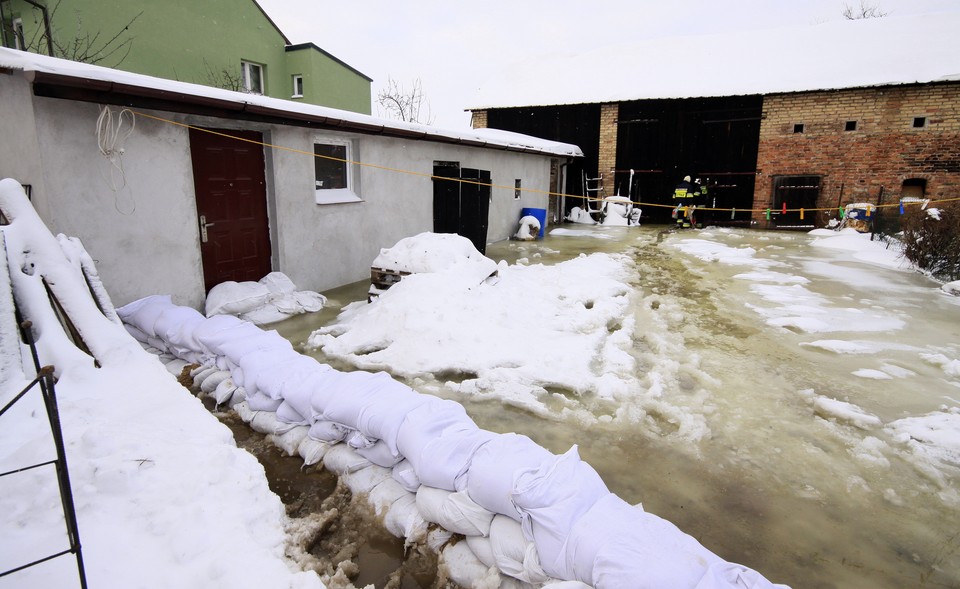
(453,47)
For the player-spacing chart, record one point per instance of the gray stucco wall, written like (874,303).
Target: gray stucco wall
(136,214)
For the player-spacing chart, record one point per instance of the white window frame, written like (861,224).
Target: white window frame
(18,40)
(297,80)
(329,196)
(246,80)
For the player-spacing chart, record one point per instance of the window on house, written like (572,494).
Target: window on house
(850,126)
(333,171)
(251,77)
(18,42)
(798,128)
(297,86)
(919,122)
(516,189)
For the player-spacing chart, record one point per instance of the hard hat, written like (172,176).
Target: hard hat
(686,178)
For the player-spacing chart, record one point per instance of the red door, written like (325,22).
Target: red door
(232,206)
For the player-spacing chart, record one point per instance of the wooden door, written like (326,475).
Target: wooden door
(446,197)
(475,207)
(230,183)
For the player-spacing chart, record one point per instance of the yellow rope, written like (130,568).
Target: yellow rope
(504,187)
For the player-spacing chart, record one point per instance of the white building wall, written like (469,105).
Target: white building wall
(136,214)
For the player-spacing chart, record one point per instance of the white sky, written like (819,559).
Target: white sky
(453,48)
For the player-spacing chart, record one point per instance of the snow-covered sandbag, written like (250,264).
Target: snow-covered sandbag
(143,313)
(493,467)
(480,546)
(312,451)
(529,228)
(234,298)
(290,441)
(444,461)
(221,329)
(615,544)
(176,325)
(727,575)
(550,500)
(287,414)
(380,454)
(267,313)
(364,480)
(266,422)
(406,475)
(454,511)
(328,431)
(382,419)
(464,568)
(309,301)
(513,554)
(278,283)
(357,390)
(342,459)
(427,423)
(261,402)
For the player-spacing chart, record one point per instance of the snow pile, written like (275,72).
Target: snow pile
(391,443)
(934,437)
(274,298)
(529,228)
(578,215)
(435,252)
(161,494)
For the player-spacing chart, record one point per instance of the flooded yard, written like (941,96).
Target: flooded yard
(774,384)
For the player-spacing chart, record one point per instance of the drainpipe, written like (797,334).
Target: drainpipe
(562,205)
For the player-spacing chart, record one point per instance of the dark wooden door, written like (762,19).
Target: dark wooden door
(475,207)
(446,197)
(794,193)
(232,206)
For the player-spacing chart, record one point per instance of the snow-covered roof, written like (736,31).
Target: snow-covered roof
(49,70)
(828,56)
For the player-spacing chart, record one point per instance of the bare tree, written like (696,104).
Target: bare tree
(87,46)
(226,78)
(396,102)
(865,10)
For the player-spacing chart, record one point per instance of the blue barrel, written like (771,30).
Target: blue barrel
(539,214)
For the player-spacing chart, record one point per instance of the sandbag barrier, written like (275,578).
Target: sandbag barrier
(530,518)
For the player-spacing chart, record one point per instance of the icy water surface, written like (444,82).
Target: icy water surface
(732,443)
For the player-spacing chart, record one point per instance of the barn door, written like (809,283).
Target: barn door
(461,207)
(230,184)
(446,197)
(795,193)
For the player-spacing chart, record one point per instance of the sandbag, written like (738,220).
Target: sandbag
(385,494)
(234,298)
(404,473)
(298,386)
(727,575)
(513,554)
(143,313)
(176,326)
(465,569)
(341,459)
(480,546)
(222,329)
(383,418)
(312,451)
(261,402)
(224,391)
(403,519)
(550,500)
(290,441)
(426,423)
(454,511)
(489,480)
(328,431)
(380,454)
(266,422)
(262,370)
(363,480)
(287,414)
(444,460)
(357,390)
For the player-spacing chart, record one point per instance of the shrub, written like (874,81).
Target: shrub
(931,239)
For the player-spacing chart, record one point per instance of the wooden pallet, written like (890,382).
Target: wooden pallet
(381,279)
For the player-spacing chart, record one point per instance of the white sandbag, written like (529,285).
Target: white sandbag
(224,330)
(365,479)
(550,500)
(454,511)
(176,324)
(383,418)
(356,391)
(224,391)
(261,402)
(341,459)
(312,451)
(480,546)
(444,461)
(328,431)
(357,440)
(403,520)
(309,301)
(136,332)
(406,475)
(617,544)
(203,374)
(278,283)
(239,396)
(727,575)
(464,568)
(213,380)
(386,494)
(380,454)
(175,366)
(143,313)
(297,386)
(244,412)
(157,343)
(267,313)
(254,341)
(234,298)
(287,414)
(266,422)
(513,554)
(326,386)
(492,469)
(427,422)
(566,585)
(290,441)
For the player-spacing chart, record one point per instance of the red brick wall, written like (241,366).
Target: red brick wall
(607,162)
(478,119)
(883,151)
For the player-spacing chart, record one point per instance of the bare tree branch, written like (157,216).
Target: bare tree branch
(863,11)
(395,102)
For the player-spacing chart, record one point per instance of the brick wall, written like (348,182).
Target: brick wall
(478,119)
(607,162)
(883,151)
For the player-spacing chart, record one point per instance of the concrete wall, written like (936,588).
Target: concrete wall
(883,151)
(136,213)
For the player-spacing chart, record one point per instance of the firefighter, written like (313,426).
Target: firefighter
(685,196)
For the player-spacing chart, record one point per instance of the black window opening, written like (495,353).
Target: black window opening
(797,194)
(330,173)
(913,189)
(798,128)
(919,122)
(850,126)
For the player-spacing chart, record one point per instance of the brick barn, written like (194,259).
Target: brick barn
(795,118)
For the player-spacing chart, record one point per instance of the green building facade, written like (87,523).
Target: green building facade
(229,44)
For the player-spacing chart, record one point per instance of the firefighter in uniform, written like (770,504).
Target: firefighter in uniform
(685,196)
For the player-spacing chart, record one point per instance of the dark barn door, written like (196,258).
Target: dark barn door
(461,207)
(796,192)
(229,179)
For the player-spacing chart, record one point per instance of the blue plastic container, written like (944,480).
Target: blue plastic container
(540,215)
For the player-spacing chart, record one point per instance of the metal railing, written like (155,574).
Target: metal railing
(44,382)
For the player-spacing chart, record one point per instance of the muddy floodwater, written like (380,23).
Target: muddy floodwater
(739,456)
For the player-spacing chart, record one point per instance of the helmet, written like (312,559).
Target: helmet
(686,178)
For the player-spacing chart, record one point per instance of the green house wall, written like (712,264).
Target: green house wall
(193,41)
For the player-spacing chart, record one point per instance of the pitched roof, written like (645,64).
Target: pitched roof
(828,56)
(80,81)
